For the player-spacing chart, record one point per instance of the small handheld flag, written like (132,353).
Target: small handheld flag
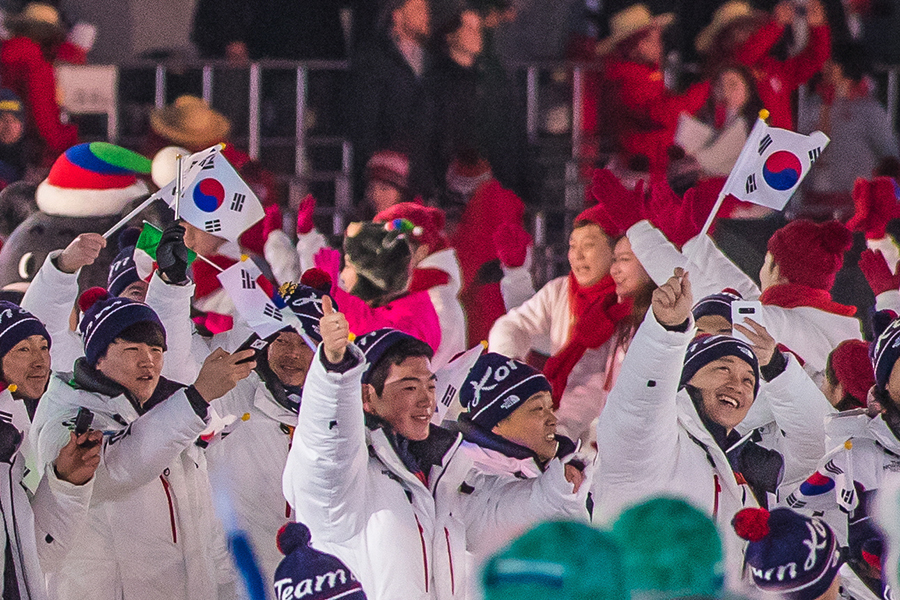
(449,379)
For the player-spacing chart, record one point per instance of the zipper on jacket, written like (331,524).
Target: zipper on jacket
(716,501)
(171,508)
(424,552)
(450,554)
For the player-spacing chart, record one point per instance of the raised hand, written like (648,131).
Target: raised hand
(878,273)
(81,252)
(672,301)
(511,242)
(78,459)
(305,215)
(763,344)
(172,254)
(221,371)
(335,332)
(272,220)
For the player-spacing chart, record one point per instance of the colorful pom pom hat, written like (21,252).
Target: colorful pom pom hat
(92,180)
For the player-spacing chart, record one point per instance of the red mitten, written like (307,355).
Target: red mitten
(876,204)
(877,272)
(625,207)
(328,260)
(512,242)
(272,221)
(305,215)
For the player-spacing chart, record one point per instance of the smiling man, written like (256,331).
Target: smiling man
(379,486)
(150,525)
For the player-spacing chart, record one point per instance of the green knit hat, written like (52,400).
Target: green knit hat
(669,550)
(562,560)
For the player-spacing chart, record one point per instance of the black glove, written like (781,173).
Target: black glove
(10,439)
(172,255)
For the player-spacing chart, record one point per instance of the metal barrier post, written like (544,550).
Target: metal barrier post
(207,84)
(300,142)
(253,126)
(159,96)
(531,103)
(577,110)
(892,96)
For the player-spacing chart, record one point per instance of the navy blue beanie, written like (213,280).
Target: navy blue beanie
(885,353)
(108,317)
(496,386)
(306,303)
(307,573)
(122,271)
(716,304)
(790,554)
(375,344)
(17,324)
(705,348)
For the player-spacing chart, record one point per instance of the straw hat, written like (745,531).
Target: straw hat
(190,122)
(725,15)
(36,13)
(631,20)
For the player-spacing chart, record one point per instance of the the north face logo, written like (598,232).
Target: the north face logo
(510,402)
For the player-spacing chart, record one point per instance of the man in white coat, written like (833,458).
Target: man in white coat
(150,524)
(379,487)
(669,424)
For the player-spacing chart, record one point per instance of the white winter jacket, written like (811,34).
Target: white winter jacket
(151,532)
(810,332)
(249,462)
(402,539)
(543,323)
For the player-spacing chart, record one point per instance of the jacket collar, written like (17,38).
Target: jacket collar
(90,379)
(487,439)
(286,397)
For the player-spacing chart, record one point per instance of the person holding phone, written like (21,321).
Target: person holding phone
(250,459)
(149,525)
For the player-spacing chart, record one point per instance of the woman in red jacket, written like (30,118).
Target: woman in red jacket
(26,67)
(644,110)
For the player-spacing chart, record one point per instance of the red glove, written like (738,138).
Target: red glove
(305,215)
(682,219)
(328,260)
(272,221)
(512,242)
(625,207)
(876,205)
(878,273)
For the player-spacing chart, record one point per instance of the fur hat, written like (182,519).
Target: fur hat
(381,257)
(496,386)
(190,122)
(92,180)
(307,573)
(17,324)
(429,222)
(792,555)
(389,167)
(669,550)
(629,21)
(704,349)
(563,560)
(106,317)
(809,253)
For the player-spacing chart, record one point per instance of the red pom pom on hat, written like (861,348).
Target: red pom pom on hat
(317,279)
(90,297)
(751,524)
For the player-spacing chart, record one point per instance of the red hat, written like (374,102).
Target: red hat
(599,216)
(809,253)
(390,167)
(429,222)
(853,368)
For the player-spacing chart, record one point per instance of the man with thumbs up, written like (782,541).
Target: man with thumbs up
(379,486)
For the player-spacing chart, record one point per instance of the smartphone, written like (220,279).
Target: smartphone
(743,309)
(254,342)
(83,421)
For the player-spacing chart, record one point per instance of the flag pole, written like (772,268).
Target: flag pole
(179,160)
(763,115)
(209,262)
(129,216)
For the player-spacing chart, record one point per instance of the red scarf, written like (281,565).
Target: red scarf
(595,314)
(794,295)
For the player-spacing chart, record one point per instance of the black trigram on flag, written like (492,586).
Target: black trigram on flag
(213,226)
(448,396)
(207,163)
(271,311)
(237,204)
(750,186)
(814,154)
(765,143)
(247,281)
(847,496)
